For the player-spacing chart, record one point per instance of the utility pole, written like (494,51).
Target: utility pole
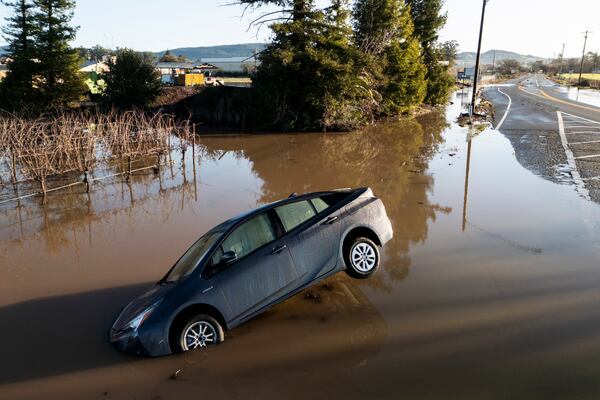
(582,58)
(476,74)
(562,55)
(494,64)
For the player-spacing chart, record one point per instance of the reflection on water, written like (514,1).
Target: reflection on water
(389,158)
(588,96)
(80,246)
(485,293)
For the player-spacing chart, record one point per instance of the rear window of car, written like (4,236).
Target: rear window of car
(294,214)
(320,204)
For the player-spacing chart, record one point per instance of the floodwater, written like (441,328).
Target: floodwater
(588,96)
(489,289)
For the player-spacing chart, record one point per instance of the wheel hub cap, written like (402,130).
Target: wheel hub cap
(199,334)
(363,257)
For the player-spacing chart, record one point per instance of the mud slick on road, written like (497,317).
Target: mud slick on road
(489,288)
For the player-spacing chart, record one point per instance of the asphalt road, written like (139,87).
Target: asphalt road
(553,136)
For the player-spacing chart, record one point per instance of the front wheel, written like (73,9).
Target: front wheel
(200,331)
(362,258)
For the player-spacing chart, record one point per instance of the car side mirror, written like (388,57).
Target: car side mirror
(228,257)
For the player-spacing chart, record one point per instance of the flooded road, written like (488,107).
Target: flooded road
(587,96)
(489,288)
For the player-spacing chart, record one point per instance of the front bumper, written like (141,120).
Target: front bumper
(128,341)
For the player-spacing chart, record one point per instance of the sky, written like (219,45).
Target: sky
(537,27)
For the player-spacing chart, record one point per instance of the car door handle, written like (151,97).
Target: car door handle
(279,249)
(330,220)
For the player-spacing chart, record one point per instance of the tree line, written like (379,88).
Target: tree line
(44,69)
(591,64)
(336,67)
(341,67)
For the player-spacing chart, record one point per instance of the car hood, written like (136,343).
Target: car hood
(131,310)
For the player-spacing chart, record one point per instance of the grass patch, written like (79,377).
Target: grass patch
(590,77)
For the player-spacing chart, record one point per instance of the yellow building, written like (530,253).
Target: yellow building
(190,79)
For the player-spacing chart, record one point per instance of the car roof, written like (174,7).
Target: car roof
(290,199)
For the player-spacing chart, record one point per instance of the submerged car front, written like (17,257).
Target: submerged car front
(138,329)
(142,327)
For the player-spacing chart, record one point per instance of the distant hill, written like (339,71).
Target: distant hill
(223,51)
(467,58)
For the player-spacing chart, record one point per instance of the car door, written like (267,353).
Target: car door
(262,271)
(313,241)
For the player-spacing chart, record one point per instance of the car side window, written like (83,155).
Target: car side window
(249,236)
(319,204)
(216,257)
(292,215)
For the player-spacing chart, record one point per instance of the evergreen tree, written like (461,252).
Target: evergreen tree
(439,81)
(428,20)
(60,83)
(131,80)
(17,88)
(306,79)
(384,30)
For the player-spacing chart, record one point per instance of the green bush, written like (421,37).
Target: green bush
(131,80)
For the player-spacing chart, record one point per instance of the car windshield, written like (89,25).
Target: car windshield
(189,261)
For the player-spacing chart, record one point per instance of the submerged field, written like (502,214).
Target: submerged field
(489,288)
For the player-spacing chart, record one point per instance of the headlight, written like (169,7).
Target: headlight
(142,316)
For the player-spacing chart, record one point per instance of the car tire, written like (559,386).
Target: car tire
(198,332)
(362,258)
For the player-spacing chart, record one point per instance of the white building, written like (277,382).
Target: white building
(232,64)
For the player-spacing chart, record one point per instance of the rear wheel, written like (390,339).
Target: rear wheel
(199,332)
(362,258)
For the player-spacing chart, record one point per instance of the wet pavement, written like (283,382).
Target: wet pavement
(489,288)
(555,130)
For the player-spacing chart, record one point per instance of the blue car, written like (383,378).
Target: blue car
(249,263)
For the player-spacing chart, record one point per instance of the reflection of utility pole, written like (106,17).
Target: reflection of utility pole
(464,216)
(582,57)
(562,55)
(476,74)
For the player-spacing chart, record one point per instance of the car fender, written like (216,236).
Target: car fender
(350,228)
(207,295)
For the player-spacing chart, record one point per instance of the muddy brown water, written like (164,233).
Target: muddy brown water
(490,292)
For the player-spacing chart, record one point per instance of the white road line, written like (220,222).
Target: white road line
(585,119)
(571,160)
(537,83)
(590,156)
(579,126)
(588,142)
(506,112)
(583,133)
